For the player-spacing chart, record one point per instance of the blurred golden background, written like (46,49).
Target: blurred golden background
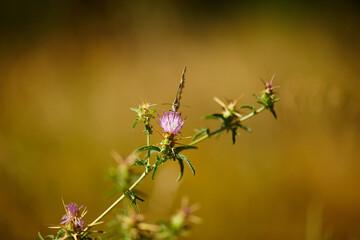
(70,71)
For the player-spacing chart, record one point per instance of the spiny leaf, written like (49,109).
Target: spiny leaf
(234,133)
(263,103)
(135,123)
(155,170)
(258,98)
(139,162)
(200,132)
(133,197)
(146,148)
(139,198)
(159,161)
(182,157)
(244,127)
(275,100)
(182,148)
(136,206)
(273,112)
(181,163)
(59,233)
(214,116)
(137,110)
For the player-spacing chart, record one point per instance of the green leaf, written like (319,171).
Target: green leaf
(182,157)
(46,237)
(146,148)
(275,100)
(136,205)
(181,163)
(139,198)
(159,161)
(41,238)
(257,97)
(148,130)
(244,127)
(234,133)
(135,123)
(155,170)
(273,112)
(137,110)
(133,197)
(200,132)
(182,148)
(59,233)
(139,162)
(215,116)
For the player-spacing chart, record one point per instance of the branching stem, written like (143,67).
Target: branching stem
(150,168)
(223,128)
(252,114)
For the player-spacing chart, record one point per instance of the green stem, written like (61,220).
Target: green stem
(223,128)
(206,136)
(149,169)
(148,144)
(146,172)
(252,114)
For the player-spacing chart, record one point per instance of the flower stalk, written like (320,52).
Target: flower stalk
(97,220)
(172,122)
(149,169)
(168,149)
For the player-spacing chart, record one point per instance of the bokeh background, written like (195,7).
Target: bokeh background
(70,71)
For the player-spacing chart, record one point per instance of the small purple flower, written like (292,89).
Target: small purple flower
(73,216)
(171,122)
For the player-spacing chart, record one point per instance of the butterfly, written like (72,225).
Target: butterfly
(176,103)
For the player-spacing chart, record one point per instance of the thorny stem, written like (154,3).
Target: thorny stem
(223,128)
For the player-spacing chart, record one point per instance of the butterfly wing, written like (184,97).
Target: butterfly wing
(176,103)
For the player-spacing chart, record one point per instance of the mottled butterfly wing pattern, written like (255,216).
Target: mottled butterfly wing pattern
(176,103)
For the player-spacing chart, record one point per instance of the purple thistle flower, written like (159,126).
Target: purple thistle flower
(73,216)
(171,122)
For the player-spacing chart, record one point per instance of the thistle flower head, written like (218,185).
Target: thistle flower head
(184,215)
(135,226)
(171,122)
(268,86)
(229,108)
(268,97)
(144,114)
(73,217)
